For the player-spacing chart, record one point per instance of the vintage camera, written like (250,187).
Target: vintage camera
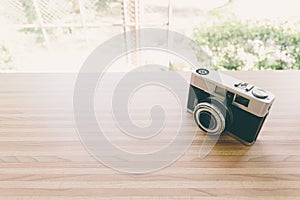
(221,103)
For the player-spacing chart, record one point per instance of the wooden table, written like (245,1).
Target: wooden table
(41,156)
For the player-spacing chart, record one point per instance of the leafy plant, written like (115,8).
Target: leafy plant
(6,59)
(101,4)
(29,11)
(236,45)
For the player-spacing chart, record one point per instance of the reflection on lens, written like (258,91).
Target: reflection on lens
(207,120)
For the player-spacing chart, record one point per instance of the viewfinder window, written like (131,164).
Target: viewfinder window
(241,100)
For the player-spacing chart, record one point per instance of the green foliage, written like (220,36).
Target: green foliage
(236,45)
(74,9)
(36,33)
(102,4)
(31,16)
(29,11)
(6,59)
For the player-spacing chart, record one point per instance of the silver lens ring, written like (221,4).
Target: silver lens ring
(215,112)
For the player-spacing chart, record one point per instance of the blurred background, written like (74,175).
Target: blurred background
(58,35)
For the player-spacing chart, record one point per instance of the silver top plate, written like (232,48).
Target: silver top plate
(259,99)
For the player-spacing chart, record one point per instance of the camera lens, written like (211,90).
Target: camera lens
(210,115)
(207,120)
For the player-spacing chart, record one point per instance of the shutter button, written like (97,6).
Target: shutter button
(259,93)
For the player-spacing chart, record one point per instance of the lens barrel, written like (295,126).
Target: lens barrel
(210,116)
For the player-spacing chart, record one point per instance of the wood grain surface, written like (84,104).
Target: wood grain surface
(42,157)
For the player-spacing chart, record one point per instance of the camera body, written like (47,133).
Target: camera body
(221,103)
